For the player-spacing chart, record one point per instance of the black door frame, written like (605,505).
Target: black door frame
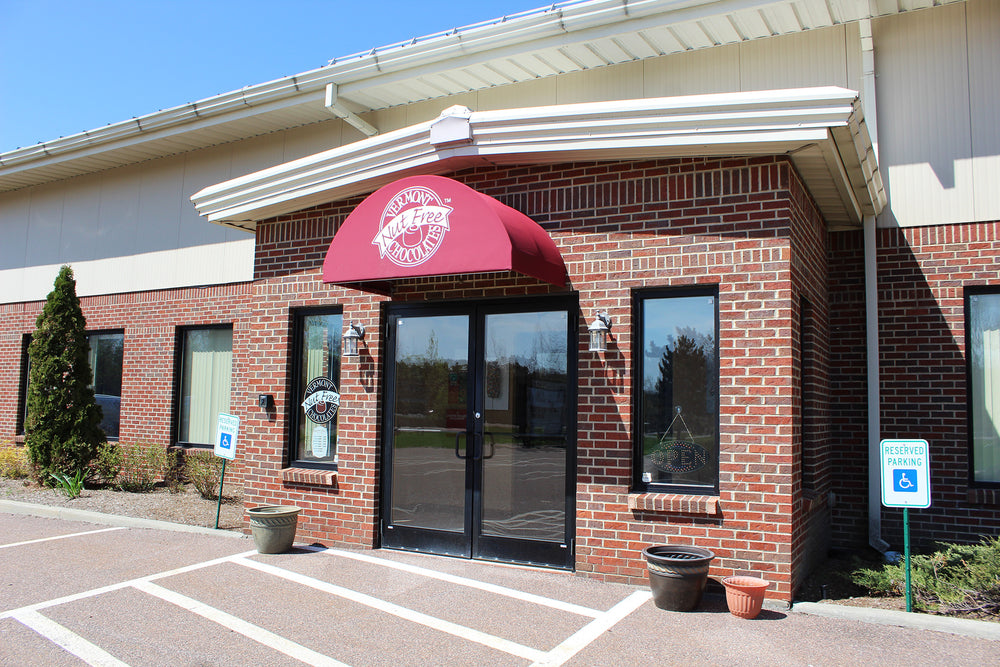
(471,543)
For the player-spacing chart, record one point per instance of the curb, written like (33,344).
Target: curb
(955,626)
(68,514)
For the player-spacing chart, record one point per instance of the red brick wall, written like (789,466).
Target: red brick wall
(150,321)
(922,273)
(811,467)
(619,227)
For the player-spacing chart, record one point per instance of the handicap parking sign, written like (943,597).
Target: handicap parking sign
(906,479)
(228,428)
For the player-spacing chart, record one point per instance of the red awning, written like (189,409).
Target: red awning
(435,226)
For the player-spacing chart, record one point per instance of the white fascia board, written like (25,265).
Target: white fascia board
(773,122)
(233,200)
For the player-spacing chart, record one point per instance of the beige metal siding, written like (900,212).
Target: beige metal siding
(799,60)
(984,87)
(925,107)
(693,73)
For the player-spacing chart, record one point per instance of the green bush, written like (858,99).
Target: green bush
(106,466)
(14,462)
(958,578)
(141,466)
(204,469)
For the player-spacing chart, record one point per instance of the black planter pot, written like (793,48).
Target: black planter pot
(677,575)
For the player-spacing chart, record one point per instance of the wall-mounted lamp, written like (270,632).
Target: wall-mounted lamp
(599,329)
(354,333)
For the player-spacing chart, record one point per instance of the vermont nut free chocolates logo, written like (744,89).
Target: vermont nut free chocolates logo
(412,227)
(322,400)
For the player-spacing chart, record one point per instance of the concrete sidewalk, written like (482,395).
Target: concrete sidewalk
(113,586)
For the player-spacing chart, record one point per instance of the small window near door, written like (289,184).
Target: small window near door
(316,391)
(982,331)
(677,439)
(206,377)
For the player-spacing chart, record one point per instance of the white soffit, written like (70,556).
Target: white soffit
(562,38)
(821,129)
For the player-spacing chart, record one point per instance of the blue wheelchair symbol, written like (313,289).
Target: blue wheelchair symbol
(226,440)
(904,480)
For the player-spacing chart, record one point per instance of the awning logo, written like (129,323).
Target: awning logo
(413,226)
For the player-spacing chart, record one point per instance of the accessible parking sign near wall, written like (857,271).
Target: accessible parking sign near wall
(906,477)
(225,436)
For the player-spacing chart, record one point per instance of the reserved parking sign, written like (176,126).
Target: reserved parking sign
(906,477)
(225,436)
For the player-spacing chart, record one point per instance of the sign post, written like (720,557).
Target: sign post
(227,430)
(906,483)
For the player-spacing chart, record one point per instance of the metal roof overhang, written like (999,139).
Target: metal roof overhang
(560,39)
(822,130)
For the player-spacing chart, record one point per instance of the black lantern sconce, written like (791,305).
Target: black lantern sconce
(599,329)
(353,334)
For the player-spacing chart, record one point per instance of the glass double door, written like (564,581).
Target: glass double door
(479,439)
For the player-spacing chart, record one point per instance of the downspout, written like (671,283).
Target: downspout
(871,303)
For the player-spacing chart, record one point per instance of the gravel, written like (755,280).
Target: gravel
(184,506)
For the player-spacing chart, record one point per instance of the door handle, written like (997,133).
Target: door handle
(458,437)
(492,442)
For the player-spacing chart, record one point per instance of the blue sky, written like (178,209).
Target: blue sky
(72,65)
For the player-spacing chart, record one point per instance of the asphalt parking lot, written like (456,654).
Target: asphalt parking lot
(74,592)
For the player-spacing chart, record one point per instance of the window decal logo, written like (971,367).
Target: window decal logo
(322,400)
(412,226)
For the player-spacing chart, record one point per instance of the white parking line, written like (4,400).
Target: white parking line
(254,632)
(124,584)
(587,634)
(602,621)
(432,622)
(463,581)
(69,640)
(58,537)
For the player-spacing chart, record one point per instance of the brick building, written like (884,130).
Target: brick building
(482,204)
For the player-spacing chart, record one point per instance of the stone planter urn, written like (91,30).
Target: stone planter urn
(273,527)
(745,595)
(677,575)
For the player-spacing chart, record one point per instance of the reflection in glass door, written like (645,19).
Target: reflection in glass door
(429,427)
(479,440)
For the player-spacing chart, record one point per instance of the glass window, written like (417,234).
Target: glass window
(316,392)
(106,356)
(22,416)
(206,376)
(678,440)
(983,350)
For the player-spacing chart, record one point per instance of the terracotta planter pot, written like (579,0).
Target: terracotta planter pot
(273,527)
(745,595)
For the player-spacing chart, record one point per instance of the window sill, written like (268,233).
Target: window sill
(309,476)
(982,496)
(673,502)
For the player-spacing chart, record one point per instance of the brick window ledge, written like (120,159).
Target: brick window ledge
(673,502)
(310,476)
(982,496)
